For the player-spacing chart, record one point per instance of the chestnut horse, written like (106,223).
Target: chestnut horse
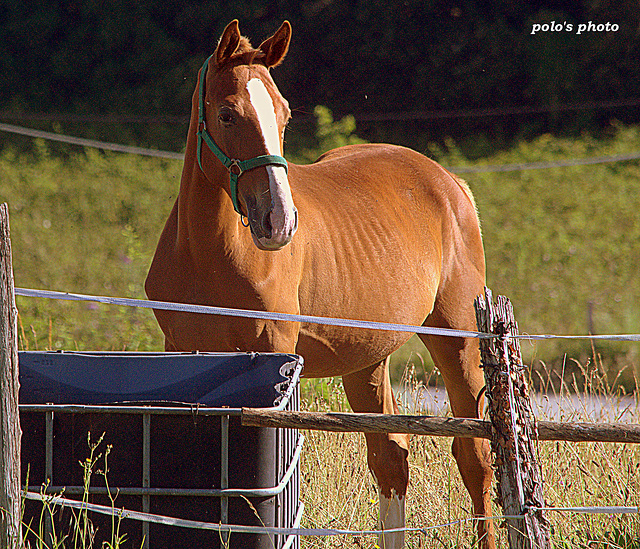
(382,233)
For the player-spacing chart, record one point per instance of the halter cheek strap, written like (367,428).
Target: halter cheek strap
(235,167)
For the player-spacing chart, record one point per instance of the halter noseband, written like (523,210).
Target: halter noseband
(235,167)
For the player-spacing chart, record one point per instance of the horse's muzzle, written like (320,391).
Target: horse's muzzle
(273,217)
(273,230)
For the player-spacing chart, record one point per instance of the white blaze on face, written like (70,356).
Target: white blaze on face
(283,215)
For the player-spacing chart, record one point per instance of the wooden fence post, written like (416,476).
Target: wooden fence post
(10,433)
(514,431)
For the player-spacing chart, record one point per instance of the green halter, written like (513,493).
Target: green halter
(236,167)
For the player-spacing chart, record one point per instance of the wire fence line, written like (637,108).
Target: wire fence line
(274,316)
(545,165)
(494,111)
(122,513)
(91,143)
(29,132)
(115,147)
(393,116)
(73,118)
(215,526)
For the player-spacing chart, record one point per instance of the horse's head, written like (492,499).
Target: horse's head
(242,118)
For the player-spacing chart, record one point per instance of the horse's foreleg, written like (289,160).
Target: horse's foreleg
(369,390)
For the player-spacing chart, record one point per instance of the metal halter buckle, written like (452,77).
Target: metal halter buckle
(235,164)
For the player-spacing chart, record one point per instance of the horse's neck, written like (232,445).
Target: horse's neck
(204,208)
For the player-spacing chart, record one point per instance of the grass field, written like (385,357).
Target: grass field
(562,243)
(339,492)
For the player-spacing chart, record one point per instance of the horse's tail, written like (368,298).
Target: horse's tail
(467,191)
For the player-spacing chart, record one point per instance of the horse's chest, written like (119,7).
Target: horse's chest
(227,287)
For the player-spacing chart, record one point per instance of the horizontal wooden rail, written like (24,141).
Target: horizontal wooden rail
(433,426)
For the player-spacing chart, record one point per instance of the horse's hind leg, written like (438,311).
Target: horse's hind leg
(369,390)
(459,363)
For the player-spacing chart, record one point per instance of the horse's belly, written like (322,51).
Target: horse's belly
(340,351)
(403,295)
(333,350)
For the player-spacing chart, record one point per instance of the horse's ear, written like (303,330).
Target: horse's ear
(228,42)
(276,47)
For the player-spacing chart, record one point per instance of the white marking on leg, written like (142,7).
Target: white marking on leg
(283,215)
(392,515)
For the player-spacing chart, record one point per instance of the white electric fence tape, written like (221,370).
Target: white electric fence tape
(199,525)
(265,315)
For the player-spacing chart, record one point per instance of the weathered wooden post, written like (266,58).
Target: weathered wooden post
(10,433)
(514,431)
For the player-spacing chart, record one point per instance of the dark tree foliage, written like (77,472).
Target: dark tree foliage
(371,58)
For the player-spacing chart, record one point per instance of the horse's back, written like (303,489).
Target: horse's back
(385,170)
(390,185)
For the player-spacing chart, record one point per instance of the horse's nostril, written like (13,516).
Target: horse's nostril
(266,224)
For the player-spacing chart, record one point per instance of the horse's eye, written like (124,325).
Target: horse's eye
(226,116)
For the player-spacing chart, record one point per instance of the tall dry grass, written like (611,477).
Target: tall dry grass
(339,491)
